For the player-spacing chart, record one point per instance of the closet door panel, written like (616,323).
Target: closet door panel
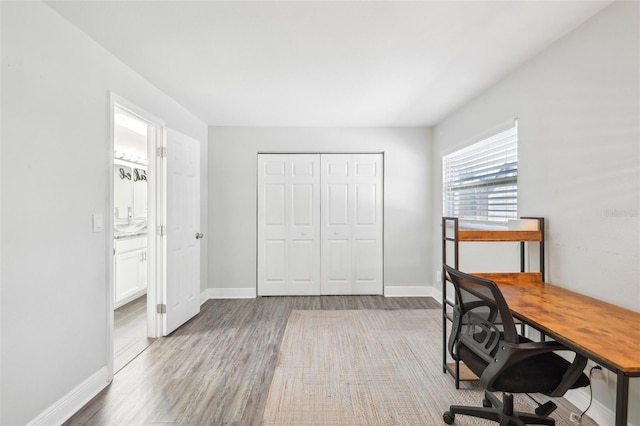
(288,224)
(365,204)
(337,204)
(352,215)
(303,205)
(336,267)
(365,272)
(275,206)
(303,262)
(275,253)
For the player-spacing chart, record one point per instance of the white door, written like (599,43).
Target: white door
(351,220)
(182,285)
(288,224)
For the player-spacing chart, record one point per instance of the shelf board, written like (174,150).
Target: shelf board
(505,235)
(466,374)
(518,277)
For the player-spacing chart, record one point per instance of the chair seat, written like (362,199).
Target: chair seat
(544,371)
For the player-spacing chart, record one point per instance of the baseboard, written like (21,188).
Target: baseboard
(436,292)
(129,298)
(250,293)
(598,411)
(227,293)
(408,291)
(68,405)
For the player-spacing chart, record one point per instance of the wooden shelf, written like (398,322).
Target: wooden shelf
(516,277)
(465,373)
(506,235)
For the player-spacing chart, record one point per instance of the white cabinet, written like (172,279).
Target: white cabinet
(130,270)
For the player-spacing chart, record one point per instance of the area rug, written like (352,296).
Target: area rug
(369,367)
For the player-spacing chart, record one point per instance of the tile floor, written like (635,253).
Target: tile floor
(130,332)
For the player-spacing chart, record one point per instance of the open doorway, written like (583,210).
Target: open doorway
(155,229)
(133,299)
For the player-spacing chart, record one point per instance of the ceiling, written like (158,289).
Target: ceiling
(325,63)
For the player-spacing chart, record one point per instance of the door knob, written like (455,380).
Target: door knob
(199,235)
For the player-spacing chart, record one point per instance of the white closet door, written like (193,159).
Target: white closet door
(351,219)
(288,224)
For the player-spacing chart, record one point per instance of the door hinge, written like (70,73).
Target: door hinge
(161,230)
(161,152)
(161,308)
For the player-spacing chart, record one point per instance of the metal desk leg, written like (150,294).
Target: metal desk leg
(622,399)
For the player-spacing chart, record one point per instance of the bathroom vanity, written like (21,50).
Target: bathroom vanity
(130,269)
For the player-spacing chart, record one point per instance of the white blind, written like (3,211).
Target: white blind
(481,180)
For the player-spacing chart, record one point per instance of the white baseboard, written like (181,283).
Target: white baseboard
(69,404)
(129,298)
(408,291)
(436,291)
(227,293)
(250,293)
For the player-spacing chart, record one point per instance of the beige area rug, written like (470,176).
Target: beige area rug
(377,367)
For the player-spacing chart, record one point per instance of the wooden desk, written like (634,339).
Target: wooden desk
(605,333)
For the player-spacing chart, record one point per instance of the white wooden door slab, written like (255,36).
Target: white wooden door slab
(182,288)
(352,227)
(288,224)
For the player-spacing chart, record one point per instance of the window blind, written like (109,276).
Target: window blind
(481,180)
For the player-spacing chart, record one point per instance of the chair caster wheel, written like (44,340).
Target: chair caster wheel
(448,417)
(486,403)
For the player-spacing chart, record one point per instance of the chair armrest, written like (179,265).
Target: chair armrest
(510,354)
(572,374)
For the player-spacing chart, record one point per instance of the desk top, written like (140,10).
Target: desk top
(604,332)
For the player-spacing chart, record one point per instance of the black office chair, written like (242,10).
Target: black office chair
(484,337)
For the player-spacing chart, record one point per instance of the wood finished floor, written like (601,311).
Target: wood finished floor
(217,368)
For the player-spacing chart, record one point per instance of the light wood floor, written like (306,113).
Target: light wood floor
(217,368)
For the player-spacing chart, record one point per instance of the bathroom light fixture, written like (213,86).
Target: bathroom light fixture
(131,158)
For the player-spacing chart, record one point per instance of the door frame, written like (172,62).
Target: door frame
(258,153)
(155,199)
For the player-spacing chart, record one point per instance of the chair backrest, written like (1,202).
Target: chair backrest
(481,316)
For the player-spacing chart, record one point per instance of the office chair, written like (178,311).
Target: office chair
(484,337)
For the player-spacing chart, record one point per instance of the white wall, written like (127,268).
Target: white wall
(233,192)
(55,168)
(579,160)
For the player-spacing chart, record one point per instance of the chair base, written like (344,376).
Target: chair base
(498,411)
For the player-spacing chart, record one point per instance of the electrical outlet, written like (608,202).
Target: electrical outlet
(597,374)
(575,419)
(438,276)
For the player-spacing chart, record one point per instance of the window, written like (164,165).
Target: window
(481,180)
